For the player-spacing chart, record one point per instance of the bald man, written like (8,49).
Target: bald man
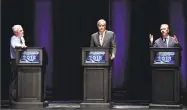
(165,41)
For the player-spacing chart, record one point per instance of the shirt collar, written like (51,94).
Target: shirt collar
(167,37)
(103,32)
(18,37)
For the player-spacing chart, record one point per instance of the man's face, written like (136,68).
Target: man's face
(164,30)
(20,32)
(101,27)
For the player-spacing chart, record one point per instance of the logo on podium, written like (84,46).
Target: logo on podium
(95,57)
(165,58)
(30,57)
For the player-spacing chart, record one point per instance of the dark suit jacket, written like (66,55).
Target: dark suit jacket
(109,41)
(160,43)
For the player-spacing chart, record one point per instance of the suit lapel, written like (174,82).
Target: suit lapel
(105,38)
(98,39)
(162,43)
(170,41)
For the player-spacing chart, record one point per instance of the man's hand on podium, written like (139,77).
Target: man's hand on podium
(21,47)
(112,57)
(24,47)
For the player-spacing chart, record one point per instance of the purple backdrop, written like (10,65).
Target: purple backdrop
(43,33)
(178,27)
(120,25)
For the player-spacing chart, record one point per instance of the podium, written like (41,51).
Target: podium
(97,78)
(29,82)
(165,66)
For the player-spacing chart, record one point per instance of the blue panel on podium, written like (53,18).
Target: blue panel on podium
(95,56)
(165,57)
(31,56)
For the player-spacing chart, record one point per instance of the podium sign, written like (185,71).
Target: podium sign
(29,57)
(95,56)
(165,57)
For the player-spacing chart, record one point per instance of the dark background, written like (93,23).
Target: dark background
(146,17)
(73,23)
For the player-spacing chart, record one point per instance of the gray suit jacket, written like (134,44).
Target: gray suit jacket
(109,41)
(160,43)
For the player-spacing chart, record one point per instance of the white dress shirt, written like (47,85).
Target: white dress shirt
(16,42)
(101,37)
(167,40)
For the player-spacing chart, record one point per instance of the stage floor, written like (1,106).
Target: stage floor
(98,109)
(94,106)
(125,107)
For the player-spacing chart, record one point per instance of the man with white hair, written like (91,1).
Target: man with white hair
(165,40)
(17,40)
(104,38)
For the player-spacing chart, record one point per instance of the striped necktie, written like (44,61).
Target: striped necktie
(165,42)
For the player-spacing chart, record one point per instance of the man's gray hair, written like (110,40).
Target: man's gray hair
(164,25)
(101,21)
(15,28)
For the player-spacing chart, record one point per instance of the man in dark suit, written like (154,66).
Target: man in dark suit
(166,40)
(104,38)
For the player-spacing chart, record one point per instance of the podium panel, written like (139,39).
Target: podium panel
(30,84)
(95,85)
(165,64)
(97,76)
(165,86)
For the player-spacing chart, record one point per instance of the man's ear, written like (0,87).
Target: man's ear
(15,33)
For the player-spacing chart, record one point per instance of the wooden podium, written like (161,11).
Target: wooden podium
(165,64)
(30,87)
(97,78)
